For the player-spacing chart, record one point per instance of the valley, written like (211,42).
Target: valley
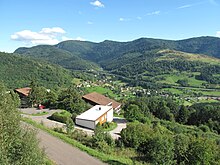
(167,91)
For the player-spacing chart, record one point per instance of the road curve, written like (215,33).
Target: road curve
(64,154)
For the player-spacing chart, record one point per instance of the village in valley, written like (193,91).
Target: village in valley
(103,107)
(99,82)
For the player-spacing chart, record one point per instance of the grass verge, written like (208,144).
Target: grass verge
(40,113)
(101,156)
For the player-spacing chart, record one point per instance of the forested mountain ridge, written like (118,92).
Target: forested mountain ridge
(58,56)
(108,50)
(19,71)
(75,51)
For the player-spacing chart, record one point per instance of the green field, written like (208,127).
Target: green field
(76,81)
(173,78)
(101,90)
(187,91)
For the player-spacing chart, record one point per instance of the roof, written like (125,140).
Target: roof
(24,91)
(94,113)
(101,99)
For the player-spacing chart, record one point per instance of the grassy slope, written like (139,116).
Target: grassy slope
(172,55)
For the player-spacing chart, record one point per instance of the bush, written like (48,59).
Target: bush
(204,128)
(62,116)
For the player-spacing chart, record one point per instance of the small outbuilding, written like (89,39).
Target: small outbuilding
(93,116)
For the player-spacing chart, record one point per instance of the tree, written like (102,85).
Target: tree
(18,144)
(203,151)
(183,114)
(158,149)
(181,143)
(132,113)
(71,100)
(69,126)
(37,94)
(162,111)
(183,82)
(50,99)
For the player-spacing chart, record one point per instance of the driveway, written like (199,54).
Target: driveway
(121,124)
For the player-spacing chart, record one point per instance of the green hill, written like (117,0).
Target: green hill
(108,50)
(168,67)
(16,71)
(77,54)
(58,56)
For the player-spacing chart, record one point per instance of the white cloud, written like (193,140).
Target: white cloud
(97,4)
(121,19)
(124,19)
(89,23)
(52,30)
(48,36)
(218,34)
(184,6)
(154,13)
(139,18)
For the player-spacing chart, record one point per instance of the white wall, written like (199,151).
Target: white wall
(85,123)
(110,115)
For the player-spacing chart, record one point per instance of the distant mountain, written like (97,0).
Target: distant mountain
(108,50)
(16,71)
(58,56)
(80,54)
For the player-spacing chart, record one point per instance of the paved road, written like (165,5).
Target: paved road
(63,153)
(42,119)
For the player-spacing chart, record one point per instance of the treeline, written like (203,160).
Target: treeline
(156,144)
(208,74)
(144,108)
(154,67)
(158,135)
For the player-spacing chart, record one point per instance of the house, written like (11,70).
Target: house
(93,116)
(23,95)
(99,99)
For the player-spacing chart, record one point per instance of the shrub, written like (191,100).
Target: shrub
(62,116)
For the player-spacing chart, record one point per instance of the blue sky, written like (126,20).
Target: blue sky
(32,22)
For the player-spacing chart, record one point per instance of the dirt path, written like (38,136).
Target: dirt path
(63,153)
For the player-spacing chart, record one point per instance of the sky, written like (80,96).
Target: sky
(26,23)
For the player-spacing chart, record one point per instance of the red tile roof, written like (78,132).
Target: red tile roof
(101,100)
(24,91)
